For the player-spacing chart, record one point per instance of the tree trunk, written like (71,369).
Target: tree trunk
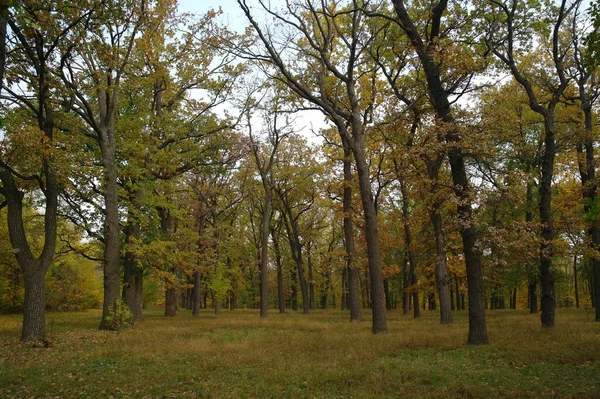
(387,294)
(170,302)
(294,298)
(575,282)
(547,232)
(345,288)
(372,237)
(311,285)
(264,250)
(278,262)
(410,252)
(353,299)
(196,293)
(439,99)
(441,269)
(112,233)
(130,275)
(34,307)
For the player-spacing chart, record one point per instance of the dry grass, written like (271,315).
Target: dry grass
(321,355)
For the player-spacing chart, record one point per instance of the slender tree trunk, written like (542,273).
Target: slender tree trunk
(294,298)
(196,293)
(441,269)
(406,295)
(264,250)
(139,294)
(345,288)
(408,244)
(353,300)
(278,262)
(575,281)
(387,294)
(311,286)
(547,233)
(130,275)
(372,237)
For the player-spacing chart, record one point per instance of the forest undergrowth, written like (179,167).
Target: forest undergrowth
(321,355)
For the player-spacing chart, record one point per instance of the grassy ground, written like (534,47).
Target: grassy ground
(292,356)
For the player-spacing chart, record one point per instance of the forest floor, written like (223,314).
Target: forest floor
(322,355)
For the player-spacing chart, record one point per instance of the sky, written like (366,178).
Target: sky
(233,16)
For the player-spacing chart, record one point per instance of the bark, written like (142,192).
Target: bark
(311,286)
(196,293)
(548,302)
(372,236)
(130,266)
(410,252)
(442,278)
(353,299)
(294,298)
(171,302)
(296,252)
(264,250)
(345,288)
(575,282)
(279,263)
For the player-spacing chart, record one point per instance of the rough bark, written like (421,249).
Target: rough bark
(353,300)
(548,295)
(293,234)
(196,293)
(279,263)
(377,301)
(408,249)
(442,279)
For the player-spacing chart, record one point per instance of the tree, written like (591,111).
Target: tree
(508,22)
(430,37)
(340,83)
(33,47)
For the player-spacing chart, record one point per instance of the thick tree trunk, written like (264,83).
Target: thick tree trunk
(34,307)
(372,237)
(112,233)
(170,302)
(353,299)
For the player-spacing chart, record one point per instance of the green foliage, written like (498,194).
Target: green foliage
(119,317)
(73,284)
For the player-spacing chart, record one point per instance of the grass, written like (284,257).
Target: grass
(238,355)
